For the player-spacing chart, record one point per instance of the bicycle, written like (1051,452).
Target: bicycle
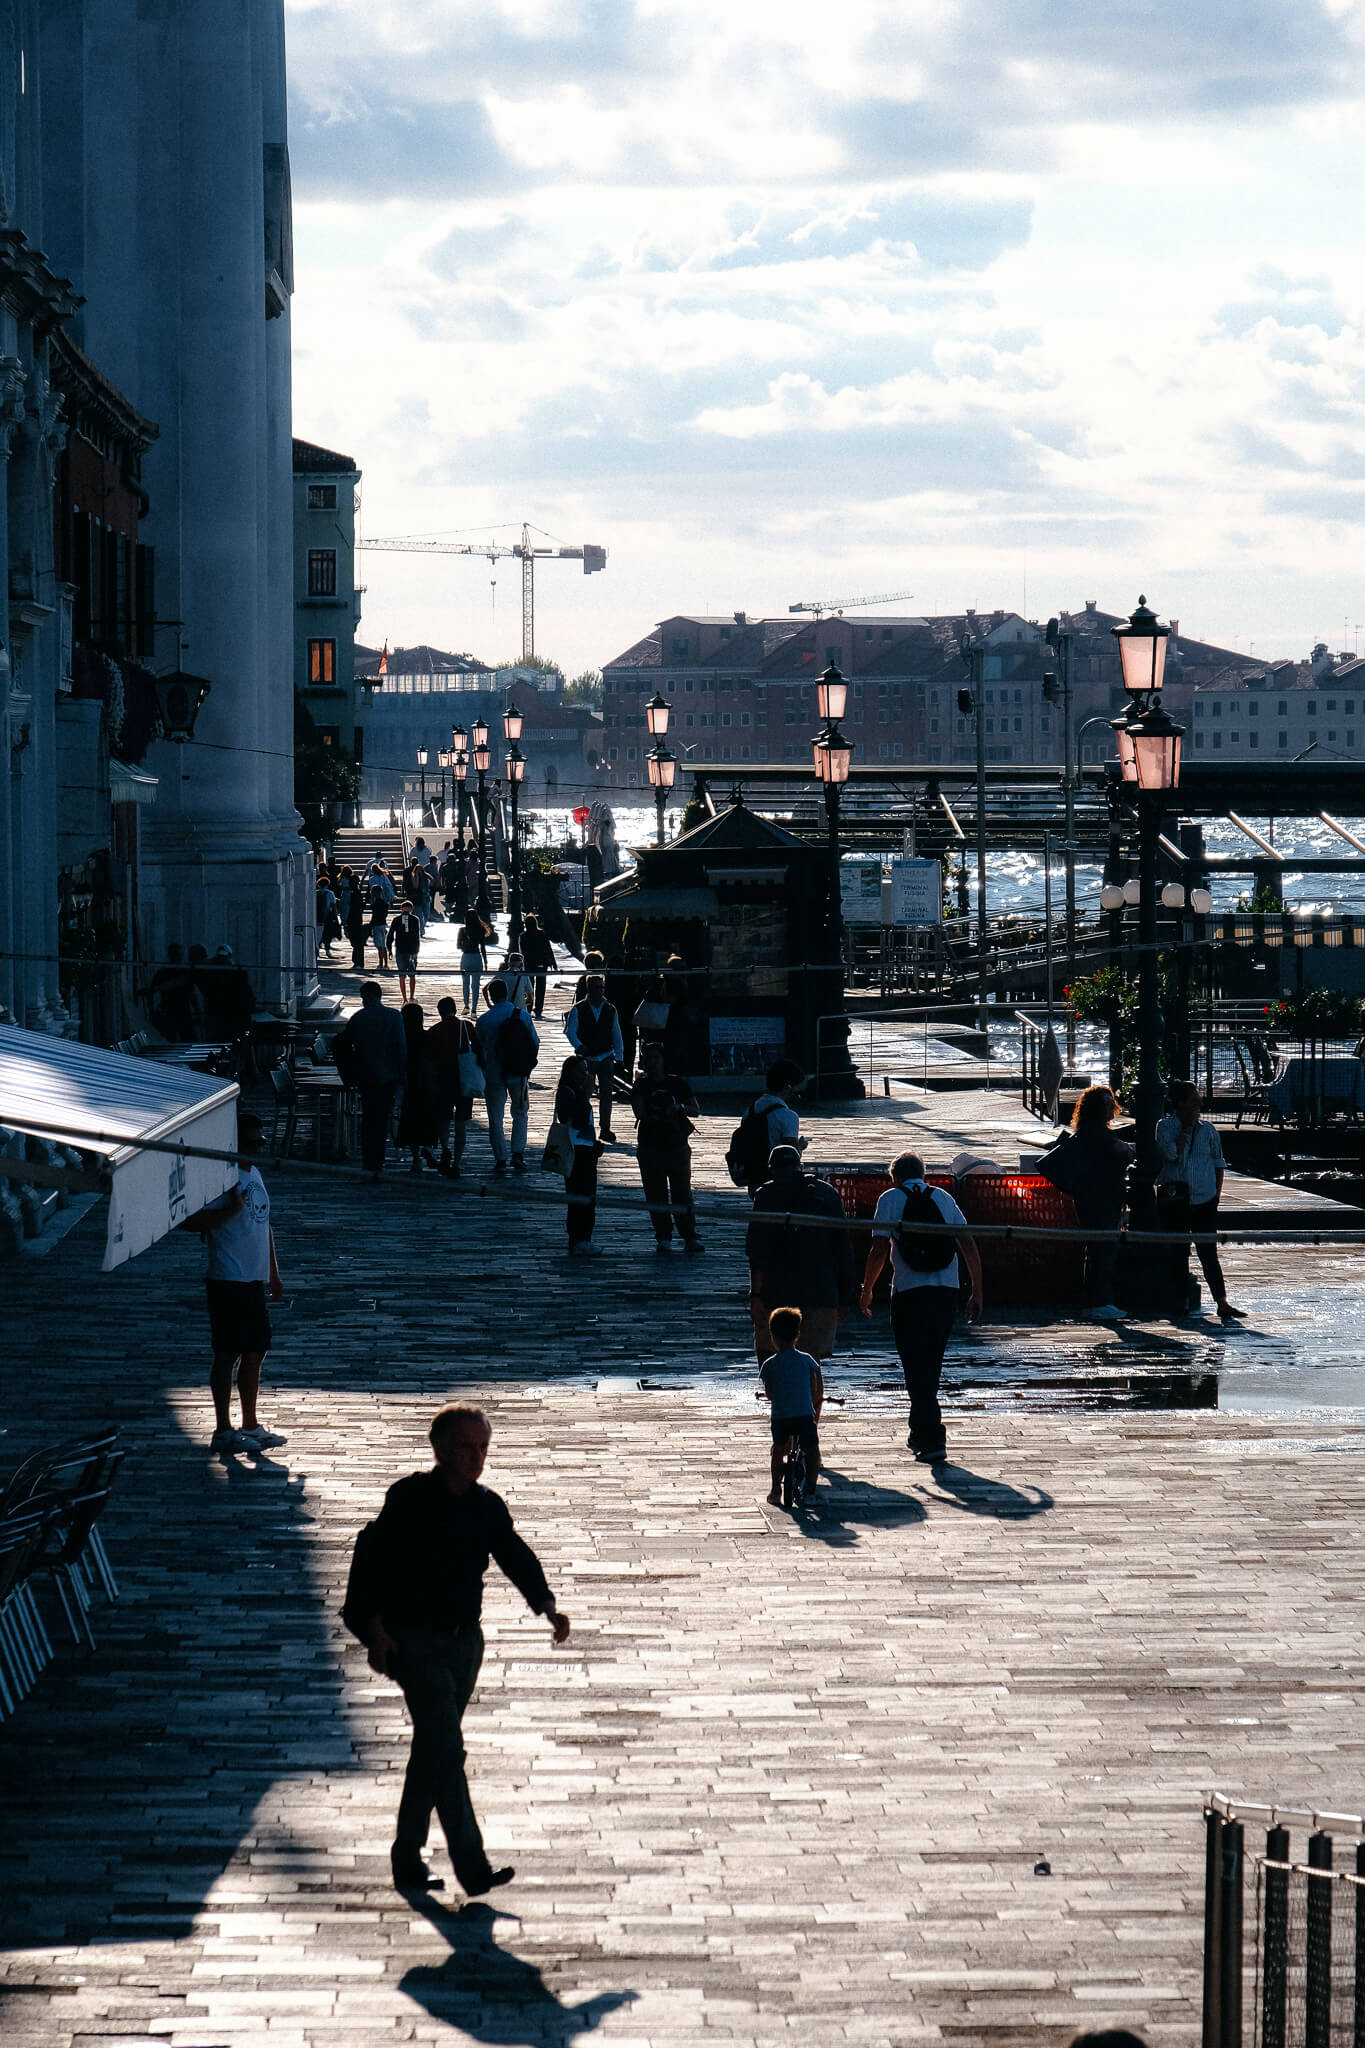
(793,1472)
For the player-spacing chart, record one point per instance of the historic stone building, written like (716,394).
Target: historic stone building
(154,172)
(326,596)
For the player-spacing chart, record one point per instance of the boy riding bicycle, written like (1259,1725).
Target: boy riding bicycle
(792,1382)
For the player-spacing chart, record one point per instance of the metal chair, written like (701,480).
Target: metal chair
(25,1648)
(286,1100)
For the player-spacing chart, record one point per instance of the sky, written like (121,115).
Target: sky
(1009,304)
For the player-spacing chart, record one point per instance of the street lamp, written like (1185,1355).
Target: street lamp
(459,768)
(512,721)
(1155,740)
(482,759)
(1142,650)
(662,769)
(516,768)
(833,756)
(422,765)
(974,660)
(659,760)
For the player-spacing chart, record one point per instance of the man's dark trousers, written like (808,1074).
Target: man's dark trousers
(438,1669)
(376,1112)
(667,1179)
(921,1322)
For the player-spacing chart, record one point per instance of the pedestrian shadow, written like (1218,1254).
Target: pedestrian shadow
(976,1495)
(491,1994)
(845,1505)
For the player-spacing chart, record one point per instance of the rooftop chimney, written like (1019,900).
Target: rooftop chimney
(741,619)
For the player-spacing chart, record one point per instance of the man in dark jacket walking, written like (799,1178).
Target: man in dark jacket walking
(414,1600)
(796,1265)
(371,1055)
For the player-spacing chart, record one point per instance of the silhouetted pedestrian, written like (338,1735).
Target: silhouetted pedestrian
(414,1599)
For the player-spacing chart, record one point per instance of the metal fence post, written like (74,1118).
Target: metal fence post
(1213,1926)
(1317,2018)
(1275,1966)
(1230,1954)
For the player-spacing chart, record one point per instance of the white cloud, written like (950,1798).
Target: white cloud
(758,298)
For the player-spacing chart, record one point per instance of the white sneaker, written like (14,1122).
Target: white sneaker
(586,1250)
(260,1438)
(1107,1312)
(227,1440)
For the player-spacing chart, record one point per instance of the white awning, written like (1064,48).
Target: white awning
(103,1102)
(130,785)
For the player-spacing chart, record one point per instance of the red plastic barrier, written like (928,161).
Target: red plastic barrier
(1019,1275)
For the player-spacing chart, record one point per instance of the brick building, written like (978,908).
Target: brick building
(742,689)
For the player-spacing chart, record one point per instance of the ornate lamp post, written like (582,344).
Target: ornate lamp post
(659,760)
(833,756)
(482,759)
(422,766)
(512,721)
(459,747)
(662,768)
(1149,768)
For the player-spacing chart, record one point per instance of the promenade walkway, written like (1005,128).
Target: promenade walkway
(789,1780)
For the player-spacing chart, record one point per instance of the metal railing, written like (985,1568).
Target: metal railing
(1284,1935)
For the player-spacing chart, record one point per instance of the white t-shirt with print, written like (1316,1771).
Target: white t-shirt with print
(885,1220)
(240,1248)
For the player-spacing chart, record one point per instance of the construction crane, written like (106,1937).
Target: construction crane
(849,604)
(592,558)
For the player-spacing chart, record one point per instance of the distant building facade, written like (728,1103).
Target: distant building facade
(743,690)
(425,691)
(326,595)
(1283,709)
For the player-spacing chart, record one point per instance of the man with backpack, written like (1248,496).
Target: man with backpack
(798,1265)
(510,1045)
(771,1121)
(924,1290)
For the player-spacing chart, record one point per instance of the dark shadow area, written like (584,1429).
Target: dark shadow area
(492,1995)
(843,1505)
(131,1773)
(976,1495)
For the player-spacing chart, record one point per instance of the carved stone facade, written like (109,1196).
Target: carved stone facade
(165,191)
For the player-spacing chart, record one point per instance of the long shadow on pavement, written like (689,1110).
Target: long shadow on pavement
(846,1503)
(492,1995)
(977,1495)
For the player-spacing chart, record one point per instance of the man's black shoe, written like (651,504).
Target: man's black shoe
(491,1882)
(414,1877)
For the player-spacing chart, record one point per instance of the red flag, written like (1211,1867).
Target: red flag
(581,814)
(384,660)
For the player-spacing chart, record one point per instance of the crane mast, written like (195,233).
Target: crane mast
(591,556)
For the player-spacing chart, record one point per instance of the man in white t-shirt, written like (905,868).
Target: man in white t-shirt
(924,1291)
(241,1268)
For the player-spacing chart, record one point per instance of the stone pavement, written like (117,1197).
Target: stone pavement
(787,1780)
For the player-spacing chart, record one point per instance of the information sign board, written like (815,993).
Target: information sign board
(916,892)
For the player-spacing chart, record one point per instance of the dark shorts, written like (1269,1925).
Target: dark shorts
(800,1426)
(406,963)
(238,1320)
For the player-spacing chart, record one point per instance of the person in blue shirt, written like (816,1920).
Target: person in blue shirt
(793,1383)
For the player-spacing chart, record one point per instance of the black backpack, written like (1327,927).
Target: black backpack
(514,1048)
(747,1157)
(922,1254)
